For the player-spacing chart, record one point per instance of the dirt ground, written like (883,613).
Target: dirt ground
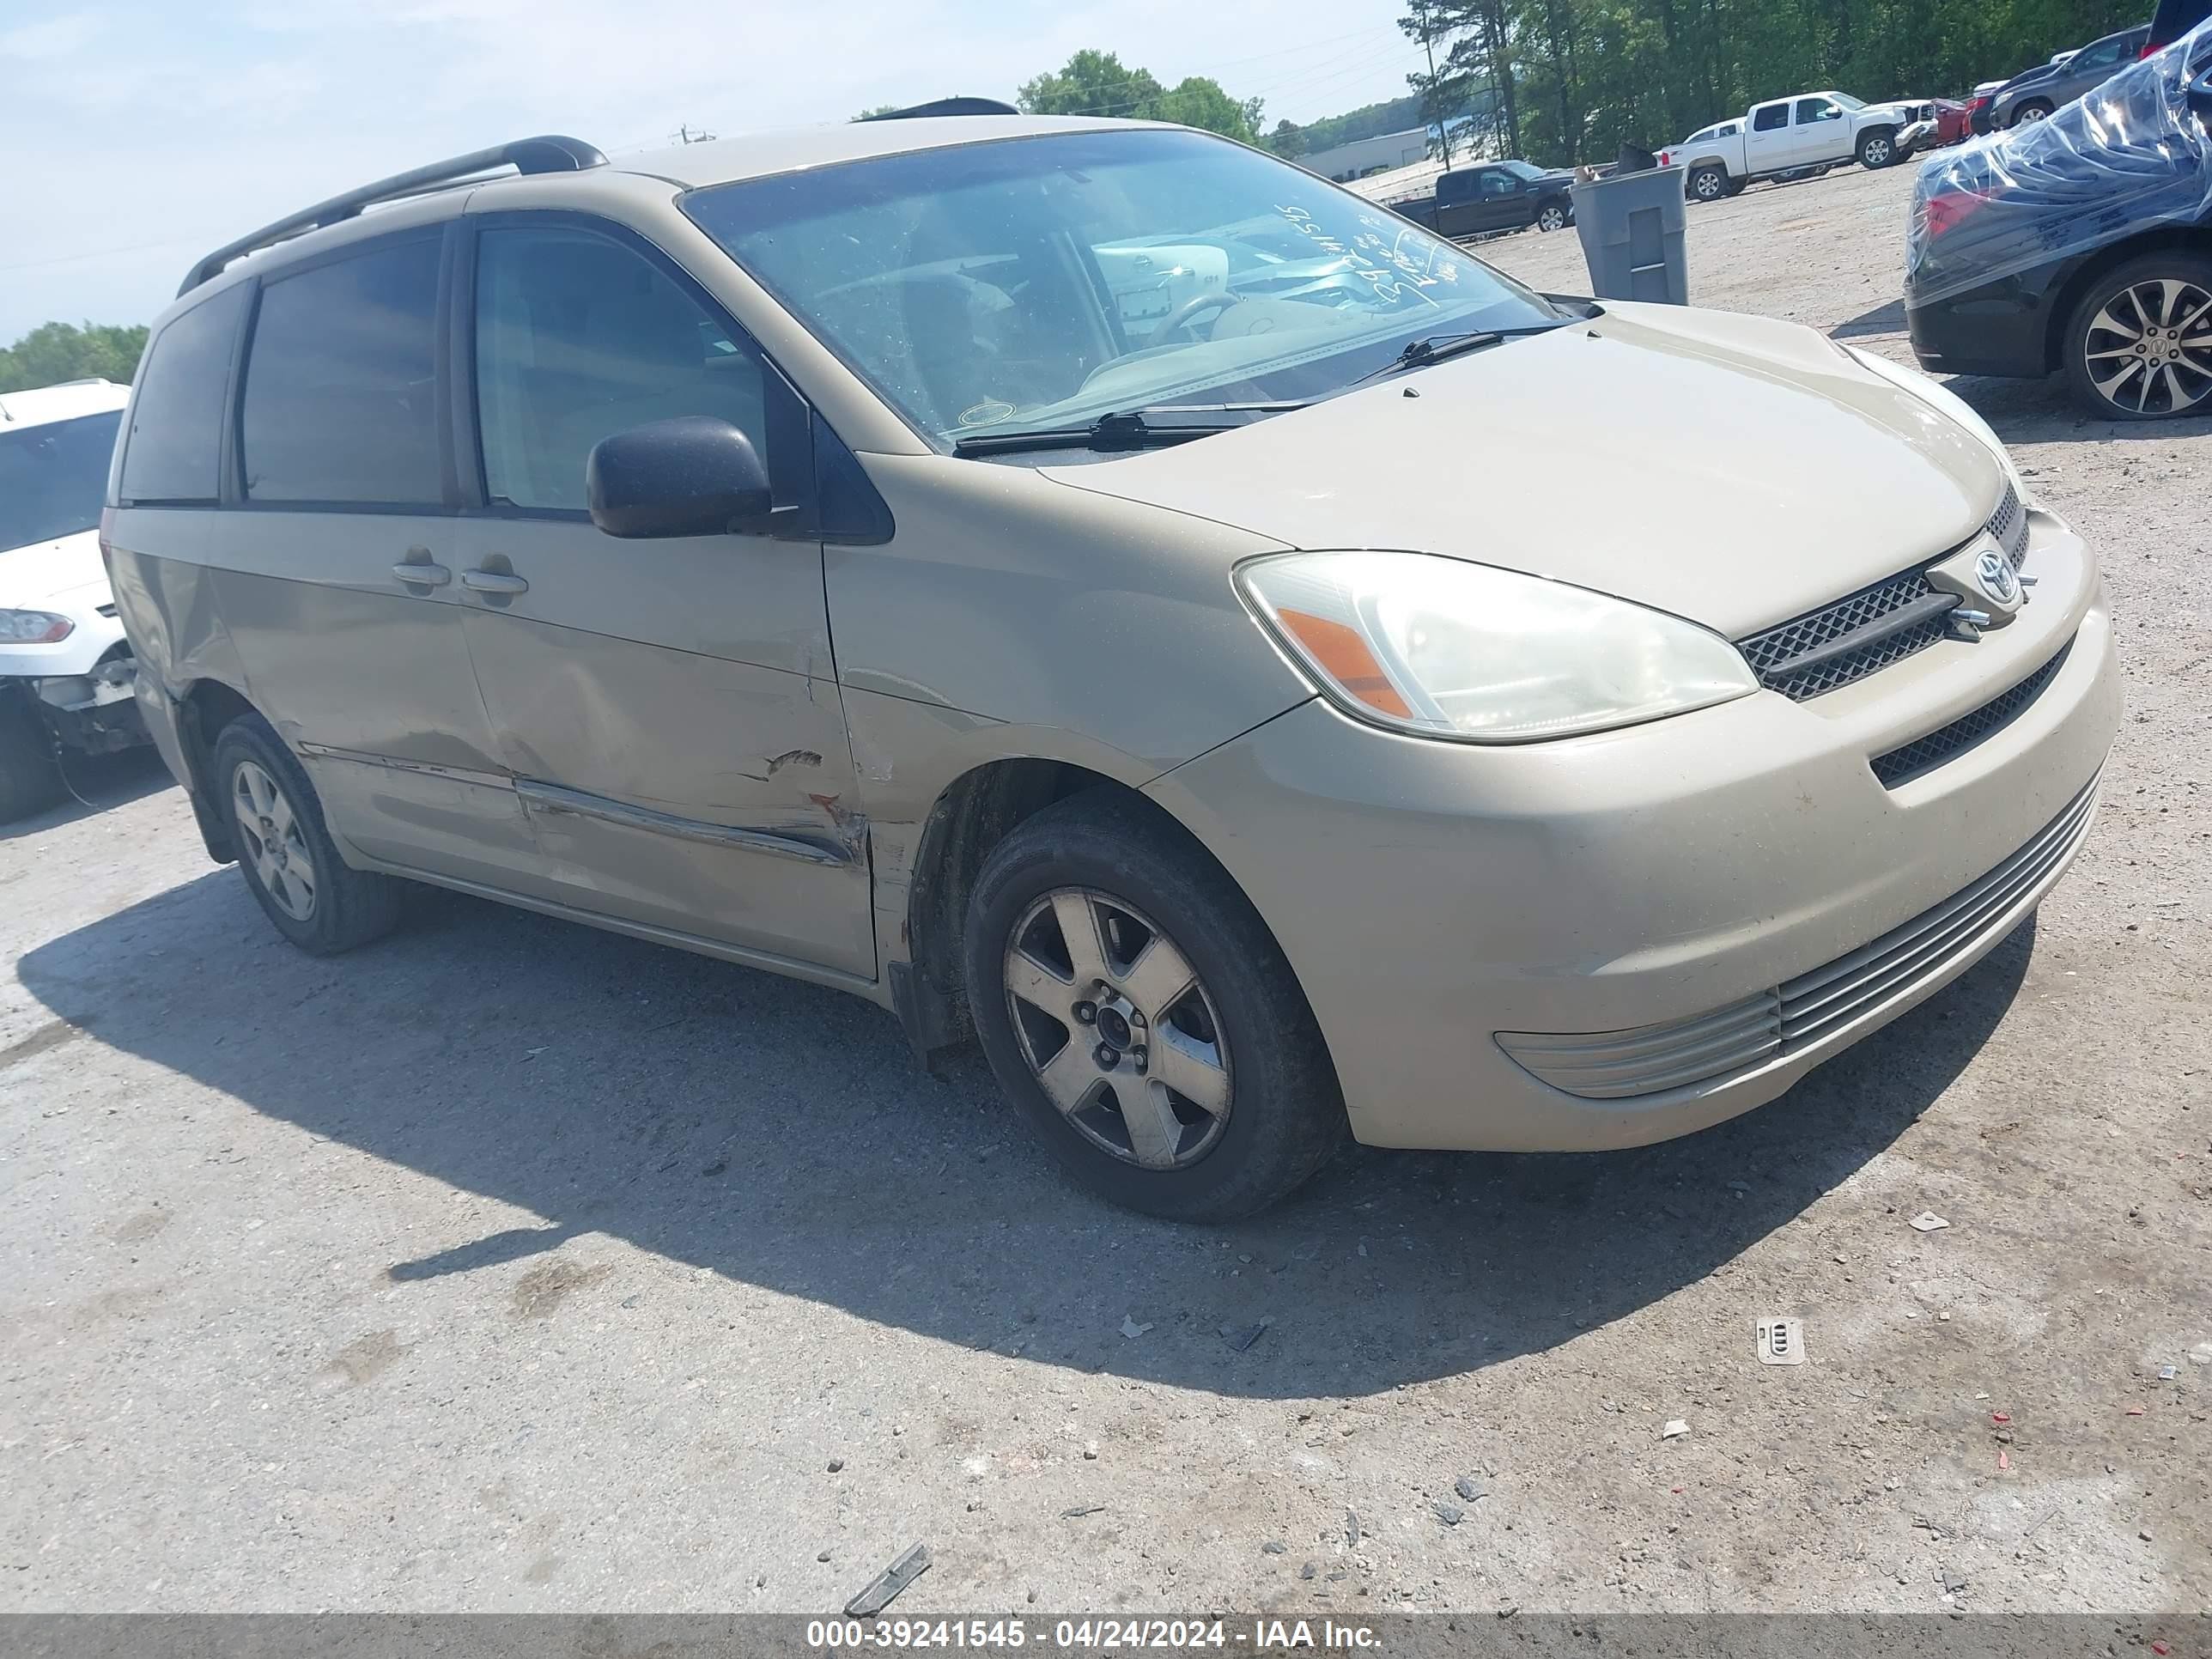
(511,1265)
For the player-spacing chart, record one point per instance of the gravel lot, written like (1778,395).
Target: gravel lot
(511,1265)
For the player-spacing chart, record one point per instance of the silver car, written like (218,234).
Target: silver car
(933,558)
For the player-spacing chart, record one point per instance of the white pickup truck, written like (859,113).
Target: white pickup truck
(1790,135)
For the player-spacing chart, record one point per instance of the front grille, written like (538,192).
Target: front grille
(1963,733)
(1865,632)
(1725,1042)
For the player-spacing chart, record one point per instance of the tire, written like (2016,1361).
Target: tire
(1877,148)
(1552,216)
(1709,183)
(269,803)
(2116,315)
(1736,187)
(1141,883)
(30,779)
(2029,110)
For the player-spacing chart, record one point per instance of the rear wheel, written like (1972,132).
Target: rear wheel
(285,852)
(1135,1007)
(1877,148)
(1552,216)
(1709,183)
(29,778)
(2139,344)
(2034,110)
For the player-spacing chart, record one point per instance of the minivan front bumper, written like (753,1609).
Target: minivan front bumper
(1630,906)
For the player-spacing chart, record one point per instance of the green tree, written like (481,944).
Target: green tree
(1098,84)
(874,110)
(53,352)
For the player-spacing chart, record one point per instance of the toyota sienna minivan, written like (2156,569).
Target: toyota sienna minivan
(1267,674)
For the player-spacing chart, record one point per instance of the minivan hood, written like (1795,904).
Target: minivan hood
(1735,471)
(46,570)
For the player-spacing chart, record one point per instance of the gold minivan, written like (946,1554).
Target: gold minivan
(1270,676)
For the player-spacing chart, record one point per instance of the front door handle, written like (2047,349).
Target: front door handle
(494,581)
(422,575)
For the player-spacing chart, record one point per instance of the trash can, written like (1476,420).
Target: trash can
(1630,225)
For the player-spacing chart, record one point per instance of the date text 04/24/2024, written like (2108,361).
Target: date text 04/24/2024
(1084,1635)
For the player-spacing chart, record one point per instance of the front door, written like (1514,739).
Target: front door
(668,708)
(1821,133)
(1502,203)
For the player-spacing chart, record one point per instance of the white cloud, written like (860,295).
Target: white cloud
(52,36)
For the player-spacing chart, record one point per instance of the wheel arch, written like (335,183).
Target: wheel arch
(205,707)
(2192,238)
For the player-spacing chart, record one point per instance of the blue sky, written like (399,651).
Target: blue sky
(145,132)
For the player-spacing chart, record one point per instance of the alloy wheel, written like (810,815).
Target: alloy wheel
(1707,186)
(2148,349)
(274,846)
(1118,1029)
(1877,152)
(1550,218)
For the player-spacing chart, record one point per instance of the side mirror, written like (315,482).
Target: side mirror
(693,476)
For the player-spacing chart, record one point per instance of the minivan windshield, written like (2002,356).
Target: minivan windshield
(53,478)
(1032,283)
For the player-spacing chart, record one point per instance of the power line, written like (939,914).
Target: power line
(103,253)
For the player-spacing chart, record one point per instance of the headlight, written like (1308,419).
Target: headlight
(1913,382)
(34,627)
(1444,648)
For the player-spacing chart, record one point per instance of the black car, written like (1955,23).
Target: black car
(1496,196)
(2083,243)
(2172,20)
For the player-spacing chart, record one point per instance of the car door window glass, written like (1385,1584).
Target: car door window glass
(578,338)
(1810,110)
(341,399)
(1768,118)
(2097,56)
(1498,183)
(175,445)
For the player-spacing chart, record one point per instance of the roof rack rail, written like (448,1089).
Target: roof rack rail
(946,106)
(551,154)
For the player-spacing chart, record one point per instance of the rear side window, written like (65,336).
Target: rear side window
(1768,118)
(341,382)
(175,448)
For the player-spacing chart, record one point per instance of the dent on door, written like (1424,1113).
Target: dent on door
(711,796)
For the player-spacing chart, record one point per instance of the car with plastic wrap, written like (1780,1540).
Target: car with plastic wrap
(791,548)
(2081,244)
(65,668)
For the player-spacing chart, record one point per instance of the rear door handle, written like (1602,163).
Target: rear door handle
(494,581)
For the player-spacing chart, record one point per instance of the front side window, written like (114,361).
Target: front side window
(1769,117)
(1499,183)
(578,338)
(175,448)
(1035,282)
(1810,110)
(53,478)
(341,382)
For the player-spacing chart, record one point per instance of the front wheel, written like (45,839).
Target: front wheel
(1877,148)
(2033,110)
(1709,183)
(291,864)
(2139,344)
(1132,1004)
(1552,216)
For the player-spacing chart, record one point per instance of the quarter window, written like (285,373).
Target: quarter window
(578,338)
(175,446)
(341,382)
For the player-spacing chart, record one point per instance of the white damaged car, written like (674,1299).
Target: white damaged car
(65,668)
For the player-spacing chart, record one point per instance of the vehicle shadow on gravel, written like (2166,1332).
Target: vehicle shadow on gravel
(2044,411)
(99,782)
(779,1134)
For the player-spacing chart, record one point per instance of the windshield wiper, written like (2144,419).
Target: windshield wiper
(1123,429)
(1435,348)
